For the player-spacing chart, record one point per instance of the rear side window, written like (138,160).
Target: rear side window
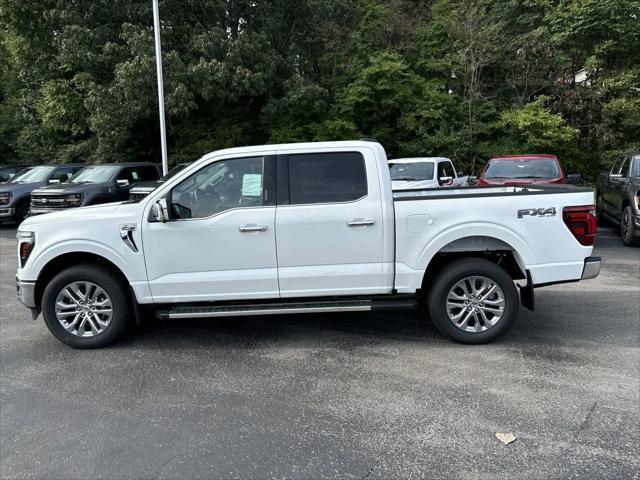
(326,177)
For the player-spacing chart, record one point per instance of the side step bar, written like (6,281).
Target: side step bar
(209,311)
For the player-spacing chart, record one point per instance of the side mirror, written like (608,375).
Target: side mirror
(445,180)
(615,177)
(472,180)
(574,178)
(54,181)
(122,183)
(159,211)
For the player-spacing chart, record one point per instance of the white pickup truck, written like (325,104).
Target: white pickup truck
(300,228)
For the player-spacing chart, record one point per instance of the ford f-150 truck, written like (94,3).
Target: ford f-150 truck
(618,197)
(300,228)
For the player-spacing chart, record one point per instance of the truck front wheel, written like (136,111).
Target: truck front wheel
(85,306)
(473,301)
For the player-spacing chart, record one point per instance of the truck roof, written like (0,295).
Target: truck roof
(283,147)
(419,159)
(518,157)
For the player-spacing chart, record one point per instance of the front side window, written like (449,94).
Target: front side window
(444,170)
(624,167)
(219,186)
(326,177)
(62,174)
(411,172)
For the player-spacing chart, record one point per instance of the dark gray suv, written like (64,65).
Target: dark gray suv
(15,194)
(93,185)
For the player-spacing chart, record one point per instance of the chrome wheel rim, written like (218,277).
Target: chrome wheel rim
(475,304)
(84,309)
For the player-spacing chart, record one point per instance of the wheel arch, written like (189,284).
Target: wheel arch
(59,263)
(489,247)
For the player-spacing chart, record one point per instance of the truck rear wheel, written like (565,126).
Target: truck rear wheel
(473,301)
(86,306)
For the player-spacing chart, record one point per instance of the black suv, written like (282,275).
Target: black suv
(93,185)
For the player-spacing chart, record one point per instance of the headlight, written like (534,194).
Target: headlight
(26,242)
(5,198)
(73,200)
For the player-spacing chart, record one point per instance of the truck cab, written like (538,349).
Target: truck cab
(301,228)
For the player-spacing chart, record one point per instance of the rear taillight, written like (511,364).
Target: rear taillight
(582,222)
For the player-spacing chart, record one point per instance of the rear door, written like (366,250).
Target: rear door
(329,224)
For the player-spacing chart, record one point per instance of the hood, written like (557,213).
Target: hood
(408,184)
(519,181)
(146,186)
(19,187)
(74,214)
(69,188)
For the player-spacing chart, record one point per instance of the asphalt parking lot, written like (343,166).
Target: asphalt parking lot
(332,396)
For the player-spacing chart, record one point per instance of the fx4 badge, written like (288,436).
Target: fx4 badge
(537,212)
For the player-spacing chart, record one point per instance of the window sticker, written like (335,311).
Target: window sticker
(252,185)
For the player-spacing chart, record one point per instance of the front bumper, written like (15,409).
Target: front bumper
(6,212)
(39,211)
(26,293)
(591,268)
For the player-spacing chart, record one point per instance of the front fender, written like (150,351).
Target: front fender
(35,265)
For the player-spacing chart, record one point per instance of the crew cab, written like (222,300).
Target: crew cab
(93,185)
(618,197)
(15,194)
(524,170)
(298,228)
(422,172)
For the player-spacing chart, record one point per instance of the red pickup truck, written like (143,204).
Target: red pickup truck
(524,170)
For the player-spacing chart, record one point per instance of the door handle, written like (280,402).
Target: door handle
(253,228)
(358,222)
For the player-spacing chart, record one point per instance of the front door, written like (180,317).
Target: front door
(220,241)
(329,225)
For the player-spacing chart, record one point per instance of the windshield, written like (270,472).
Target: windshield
(32,175)
(175,170)
(411,172)
(97,174)
(522,168)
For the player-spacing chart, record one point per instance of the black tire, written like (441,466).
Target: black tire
(453,273)
(602,219)
(22,210)
(102,277)
(627,229)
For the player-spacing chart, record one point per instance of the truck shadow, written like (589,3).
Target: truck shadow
(239,332)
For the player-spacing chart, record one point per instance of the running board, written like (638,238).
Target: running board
(210,311)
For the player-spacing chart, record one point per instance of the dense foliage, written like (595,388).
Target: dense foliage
(459,78)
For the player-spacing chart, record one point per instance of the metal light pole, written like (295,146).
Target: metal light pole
(163,128)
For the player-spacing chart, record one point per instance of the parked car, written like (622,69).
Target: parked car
(92,185)
(15,194)
(7,172)
(300,228)
(422,172)
(524,170)
(142,189)
(618,196)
